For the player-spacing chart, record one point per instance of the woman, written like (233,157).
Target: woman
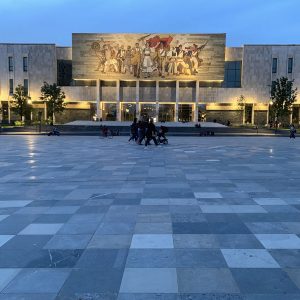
(147,60)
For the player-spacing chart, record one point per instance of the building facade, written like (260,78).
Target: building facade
(170,77)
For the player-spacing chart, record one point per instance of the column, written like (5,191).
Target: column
(45,111)
(118,100)
(253,112)
(8,108)
(98,107)
(1,112)
(196,102)
(268,113)
(137,97)
(177,101)
(157,100)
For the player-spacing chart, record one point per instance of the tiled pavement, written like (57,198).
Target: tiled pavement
(199,219)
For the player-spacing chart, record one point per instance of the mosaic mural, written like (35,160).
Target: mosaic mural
(151,56)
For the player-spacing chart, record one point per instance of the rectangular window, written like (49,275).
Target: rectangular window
(25,64)
(26,87)
(274,65)
(11,86)
(232,74)
(10,64)
(290,65)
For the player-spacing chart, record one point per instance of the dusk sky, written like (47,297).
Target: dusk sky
(244,21)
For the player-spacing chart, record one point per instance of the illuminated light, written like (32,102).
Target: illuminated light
(31,161)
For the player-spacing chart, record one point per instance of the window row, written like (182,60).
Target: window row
(11,86)
(11,64)
(290,63)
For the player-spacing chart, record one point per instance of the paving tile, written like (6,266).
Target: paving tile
(191,228)
(279,241)
(294,274)
(151,258)
(152,241)
(149,280)
(287,258)
(238,241)
(14,203)
(6,275)
(68,242)
(194,241)
(208,195)
(38,281)
(199,258)
(27,242)
(90,281)
(40,229)
(37,296)
(103,259)
(153,228)
(203,280)
(77,228)
(5,238)
(264,281)
(249,258)
(115,228)
(110,241)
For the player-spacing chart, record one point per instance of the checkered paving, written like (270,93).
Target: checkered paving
(199,219)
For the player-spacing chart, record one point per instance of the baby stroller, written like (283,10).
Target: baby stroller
(54,131)
(161,135)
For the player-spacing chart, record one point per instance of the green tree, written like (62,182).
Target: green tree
(54,98)
(20,102)
(283,96)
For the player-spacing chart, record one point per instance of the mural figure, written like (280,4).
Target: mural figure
(150,56)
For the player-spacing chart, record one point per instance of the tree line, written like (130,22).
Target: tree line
(51,95)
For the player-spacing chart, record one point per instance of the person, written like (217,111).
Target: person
(147,61)
(292,131)
(150,133)
(133,130)
(141,132)
(228,123)
(54,131)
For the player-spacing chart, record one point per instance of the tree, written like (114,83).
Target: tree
(241,104)
(20,104)
(283,96)
(54,98)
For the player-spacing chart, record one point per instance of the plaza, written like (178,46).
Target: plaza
(201,218)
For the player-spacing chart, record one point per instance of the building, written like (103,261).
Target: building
(170,77)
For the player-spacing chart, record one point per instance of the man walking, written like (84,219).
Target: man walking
(150,133)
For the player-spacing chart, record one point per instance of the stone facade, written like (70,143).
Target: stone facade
(256,78)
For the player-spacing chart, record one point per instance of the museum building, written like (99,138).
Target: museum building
(169,77)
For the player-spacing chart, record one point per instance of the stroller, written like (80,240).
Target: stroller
(161,135)
(54,131)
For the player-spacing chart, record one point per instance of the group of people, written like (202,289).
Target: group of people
(146,131)
(148,56)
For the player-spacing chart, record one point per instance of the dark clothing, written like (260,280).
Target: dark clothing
(151,130)
(292,132)
(133,131)
(150,134)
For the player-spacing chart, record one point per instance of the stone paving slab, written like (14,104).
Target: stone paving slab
(213,218)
